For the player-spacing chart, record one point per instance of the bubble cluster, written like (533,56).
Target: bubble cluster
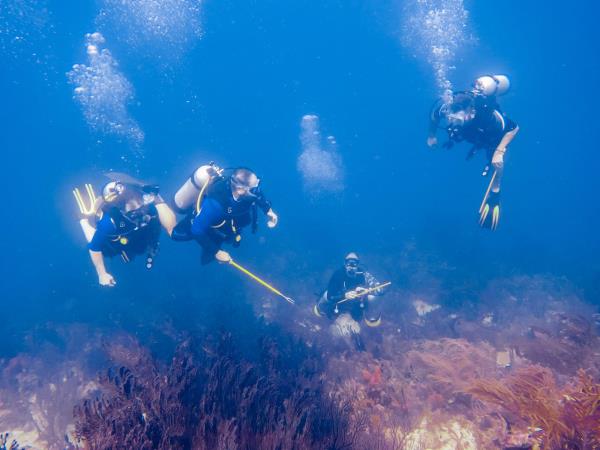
(163,28)
(104,93)
(436,30)
(320,165)
(26,30)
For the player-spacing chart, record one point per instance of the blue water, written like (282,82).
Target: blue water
(235,93)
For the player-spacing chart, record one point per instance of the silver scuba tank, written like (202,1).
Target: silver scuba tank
(492,85)
(186,197)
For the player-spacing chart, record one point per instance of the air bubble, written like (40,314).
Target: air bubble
(321,167)
(104,93)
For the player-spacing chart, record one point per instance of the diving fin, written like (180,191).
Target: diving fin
(489,215)
(86,208)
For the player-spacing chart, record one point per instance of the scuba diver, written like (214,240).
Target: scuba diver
(351,296)
(218,204)
(475,117)
(126,222)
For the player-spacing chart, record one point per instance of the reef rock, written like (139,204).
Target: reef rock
(450,435)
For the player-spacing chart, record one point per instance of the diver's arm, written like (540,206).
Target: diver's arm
(434,122)
(104,278)
(167,217)
(507,139)
(372,282)
(103,229)
(498,157)
(265,206)
(273,218)
(431,137)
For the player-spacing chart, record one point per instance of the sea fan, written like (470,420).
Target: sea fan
(219,400)
(569,418)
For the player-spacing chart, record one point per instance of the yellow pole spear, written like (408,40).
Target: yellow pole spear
(366,292)
(260,281)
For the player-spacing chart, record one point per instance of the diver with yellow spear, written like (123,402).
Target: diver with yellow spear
(352,295)
(218,204)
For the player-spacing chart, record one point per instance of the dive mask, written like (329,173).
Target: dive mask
(457,118)
(250,189)
(351,267)
(112,191)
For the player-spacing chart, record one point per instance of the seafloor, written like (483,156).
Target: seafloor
(514,365)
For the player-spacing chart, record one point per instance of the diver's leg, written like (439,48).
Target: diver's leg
(104,278)
(183,230)
(211,244)
(167,217)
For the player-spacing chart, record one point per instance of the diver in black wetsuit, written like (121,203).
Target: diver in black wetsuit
(344,299)
(475,117)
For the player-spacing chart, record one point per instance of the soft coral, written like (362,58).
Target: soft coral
(372,378)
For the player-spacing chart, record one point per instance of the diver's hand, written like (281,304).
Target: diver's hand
(106,279)
(432,141)
(351,295)
(273,219)
(222,256)
(360,290)
(498,158)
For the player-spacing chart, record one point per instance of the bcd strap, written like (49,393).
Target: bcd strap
(254,213)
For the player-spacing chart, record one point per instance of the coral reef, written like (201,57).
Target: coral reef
(516,366)
(38,389)
(217,399)
(413,395)
(416,389)
(566,418)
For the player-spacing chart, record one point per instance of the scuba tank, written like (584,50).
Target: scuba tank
(489,85)
(187,196)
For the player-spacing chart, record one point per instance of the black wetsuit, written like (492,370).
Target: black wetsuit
(339,284)
(484,131)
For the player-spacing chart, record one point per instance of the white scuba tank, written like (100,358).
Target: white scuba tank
(187,195)
(492,85)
